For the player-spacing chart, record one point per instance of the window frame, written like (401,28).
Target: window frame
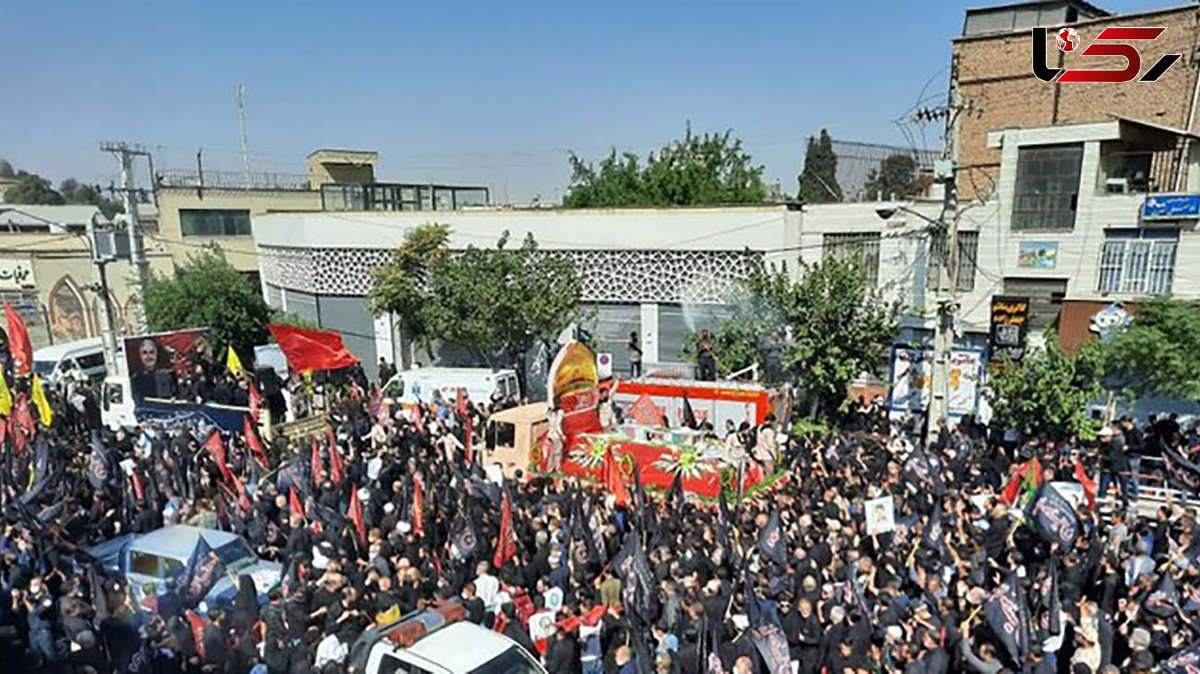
(1041,188)
(861,245)
(226,219)
(1138,261)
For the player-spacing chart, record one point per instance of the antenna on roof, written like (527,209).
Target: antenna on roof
(241,106)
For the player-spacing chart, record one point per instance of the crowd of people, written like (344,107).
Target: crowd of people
(394,510)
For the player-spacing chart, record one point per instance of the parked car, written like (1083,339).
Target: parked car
(439,641)
(146,561)
(83,358)
(482,385)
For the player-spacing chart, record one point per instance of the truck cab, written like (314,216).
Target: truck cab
(438,641)
(146,561)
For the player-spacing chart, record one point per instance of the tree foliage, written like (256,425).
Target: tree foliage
(1048,392)
(707,169)
(896,178)
(1159,354)
(833,326)
(31,188)
(818,181)
(207,292)
(497,302)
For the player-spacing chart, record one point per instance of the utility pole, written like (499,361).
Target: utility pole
(946,238)
(125,153)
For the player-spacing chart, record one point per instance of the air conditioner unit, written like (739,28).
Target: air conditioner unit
(1116,186)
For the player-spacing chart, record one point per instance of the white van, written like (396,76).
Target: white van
(482,385)
(438,641)
(84,357)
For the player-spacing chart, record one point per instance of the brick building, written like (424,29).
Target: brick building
(992,70)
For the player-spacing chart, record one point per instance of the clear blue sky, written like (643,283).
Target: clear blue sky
(475,92)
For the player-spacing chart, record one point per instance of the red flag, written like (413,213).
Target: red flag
(308,350)
(335,463)
(506,542)
(23,417)
(18,341)
(418,417)
(255,402)
(318,466)
(139,492)
(216,449)
(197,625)
(355,512)
(418,508)
(461,402)
(294,503)
(243,499)
(1089,486)
(252,441)
(612,478)
(469,441)
(385,412)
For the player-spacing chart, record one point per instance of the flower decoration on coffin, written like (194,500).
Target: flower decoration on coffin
(687,460)
(590,453)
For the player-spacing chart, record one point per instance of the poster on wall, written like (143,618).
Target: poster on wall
(966,367)
(912,380)
(1038,255)
(155,361)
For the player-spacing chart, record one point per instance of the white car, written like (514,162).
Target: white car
(439,641)
(482,385)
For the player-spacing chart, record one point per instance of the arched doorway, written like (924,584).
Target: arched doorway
(68,320)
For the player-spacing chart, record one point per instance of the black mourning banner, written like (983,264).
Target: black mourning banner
(1055,518)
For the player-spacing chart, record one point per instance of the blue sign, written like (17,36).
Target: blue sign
(1171,206)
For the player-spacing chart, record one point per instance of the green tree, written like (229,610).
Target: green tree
(707,169)
(818,181)
(75,192)
(1159,354)
(896,178)
(1048,392)
(31,188)
(496,302)
(832,326)
(207,292)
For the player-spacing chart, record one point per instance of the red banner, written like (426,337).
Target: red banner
(625,455)
(309,350)
(18,341)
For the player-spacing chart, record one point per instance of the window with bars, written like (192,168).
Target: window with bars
(1047,187)
(860,247)
(1138,261)
(968,251)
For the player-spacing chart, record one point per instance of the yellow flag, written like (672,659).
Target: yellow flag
(5,396)
(43,405)
(234,363)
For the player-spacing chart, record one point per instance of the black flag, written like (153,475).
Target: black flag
(1051,623)
(924,473)
(1183,473)
(765,632)
(1006,613)
(464,541)
(1055,518)
(1164,600)
(771,542)
(689,417)
(204,569)
(639,589)
(675,494)
(933,536)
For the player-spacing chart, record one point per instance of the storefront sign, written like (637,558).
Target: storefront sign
(16,275)
(1171,207)
(1010,320)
